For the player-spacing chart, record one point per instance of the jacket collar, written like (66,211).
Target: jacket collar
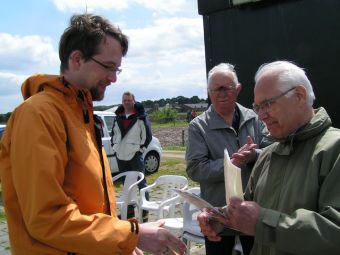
(319,123)
(215,121)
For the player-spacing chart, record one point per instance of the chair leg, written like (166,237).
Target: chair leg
(145,216)
(123,212)
(188,247)
(187,243)
(140,216)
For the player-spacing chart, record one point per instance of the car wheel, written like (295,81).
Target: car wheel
(151,162)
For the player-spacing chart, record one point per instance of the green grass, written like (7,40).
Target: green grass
(172,166)
(2,216)
(174,148)
(170,124)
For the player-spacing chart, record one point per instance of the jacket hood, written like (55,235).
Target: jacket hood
(319,123)
(38,82)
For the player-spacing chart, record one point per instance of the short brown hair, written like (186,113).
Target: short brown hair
(128,93)
(85,33)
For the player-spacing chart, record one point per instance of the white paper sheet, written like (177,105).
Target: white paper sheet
(232,179)
(197,201)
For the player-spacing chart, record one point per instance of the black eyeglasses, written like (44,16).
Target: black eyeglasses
(110,69)
(267,103)
(223,89)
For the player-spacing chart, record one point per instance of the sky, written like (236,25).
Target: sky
(166,53)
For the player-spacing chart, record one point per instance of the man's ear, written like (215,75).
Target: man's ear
(75,59)
(301,94)
(238,88)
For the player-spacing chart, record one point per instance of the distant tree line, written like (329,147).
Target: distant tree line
(163,102)
(4,117)
(147,104)
(175,100)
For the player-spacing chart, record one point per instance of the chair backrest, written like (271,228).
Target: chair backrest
(190,213)
(131,178)
(170,182)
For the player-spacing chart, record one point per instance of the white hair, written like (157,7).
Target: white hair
(223,68)
(288,75)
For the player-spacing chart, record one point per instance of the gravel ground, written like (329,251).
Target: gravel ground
(175,136)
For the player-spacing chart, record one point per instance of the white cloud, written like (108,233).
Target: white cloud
(10,95)
(166,37)
(170,48)
(89,5)
(26,52)
(157,6)
(164,60)
(170,6)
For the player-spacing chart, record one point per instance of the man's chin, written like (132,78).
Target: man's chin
(98,98)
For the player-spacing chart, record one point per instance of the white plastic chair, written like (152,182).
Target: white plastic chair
(191,228)
(130,191)
(168,199)
(174,225)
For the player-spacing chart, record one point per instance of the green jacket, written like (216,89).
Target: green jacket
(296,183)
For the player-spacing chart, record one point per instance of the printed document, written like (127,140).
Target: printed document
(232,179)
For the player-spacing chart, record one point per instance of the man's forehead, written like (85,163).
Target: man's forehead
(127,97)
(222,79)
(266,87)
(111,48)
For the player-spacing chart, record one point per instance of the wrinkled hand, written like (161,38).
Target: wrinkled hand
(246,154)
(208,227)
(241,215)
(157,240)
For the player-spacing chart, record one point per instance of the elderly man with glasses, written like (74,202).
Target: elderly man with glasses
(294,187)
(224,125)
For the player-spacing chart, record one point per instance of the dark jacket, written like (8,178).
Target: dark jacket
(126,141)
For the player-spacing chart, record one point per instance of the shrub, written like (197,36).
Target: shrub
(165,115)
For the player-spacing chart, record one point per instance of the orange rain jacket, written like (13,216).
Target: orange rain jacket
(56,199)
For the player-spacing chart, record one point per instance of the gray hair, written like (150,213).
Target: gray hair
(288,75)
(223,68)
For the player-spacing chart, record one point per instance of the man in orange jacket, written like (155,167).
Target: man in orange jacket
(56,181)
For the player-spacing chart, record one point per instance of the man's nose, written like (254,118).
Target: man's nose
(112,77)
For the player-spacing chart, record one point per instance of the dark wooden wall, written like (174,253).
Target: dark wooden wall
(306,32)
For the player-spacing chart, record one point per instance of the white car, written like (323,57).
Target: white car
(152,154)
(2,129)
